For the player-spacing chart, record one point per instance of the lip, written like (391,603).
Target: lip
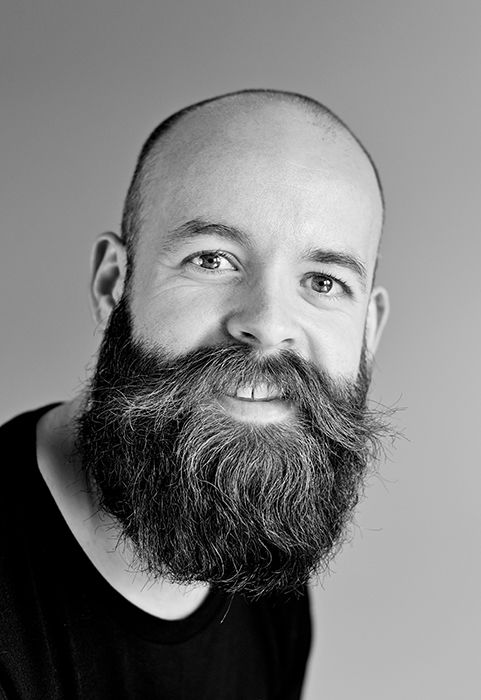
(270,410)
(244,398)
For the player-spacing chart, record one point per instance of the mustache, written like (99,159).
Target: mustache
(157,384)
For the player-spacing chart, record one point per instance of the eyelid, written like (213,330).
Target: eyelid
(343,284)
(228,256)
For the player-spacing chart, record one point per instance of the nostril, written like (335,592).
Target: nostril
(248,336)
(261,330)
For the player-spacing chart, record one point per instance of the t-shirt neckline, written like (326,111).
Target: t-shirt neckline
(105,598)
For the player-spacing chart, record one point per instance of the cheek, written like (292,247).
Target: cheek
(179,319)
(336,345)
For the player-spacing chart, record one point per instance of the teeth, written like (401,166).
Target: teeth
(261,392)
(257,393)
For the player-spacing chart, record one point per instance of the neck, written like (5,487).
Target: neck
(96,532)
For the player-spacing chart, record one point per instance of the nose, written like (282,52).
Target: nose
(263,319)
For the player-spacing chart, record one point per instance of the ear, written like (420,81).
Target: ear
(108,267)
(377,315)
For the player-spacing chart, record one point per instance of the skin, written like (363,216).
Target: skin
(275,175)
(290,185)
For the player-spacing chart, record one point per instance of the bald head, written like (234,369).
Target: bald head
(290,126)
(253,217)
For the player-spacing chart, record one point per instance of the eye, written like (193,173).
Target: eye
(211,261)
(327,286)
(322,284)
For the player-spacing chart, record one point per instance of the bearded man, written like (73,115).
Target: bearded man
(160,530)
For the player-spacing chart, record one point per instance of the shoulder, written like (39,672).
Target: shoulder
(21,486)
(18,453)
(288,617)
(22,426)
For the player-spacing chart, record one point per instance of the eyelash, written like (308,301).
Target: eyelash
(220,253)
(344,285)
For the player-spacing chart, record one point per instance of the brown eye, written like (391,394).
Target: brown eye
(321,284)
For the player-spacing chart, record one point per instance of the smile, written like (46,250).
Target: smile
(259,392)
(259,404)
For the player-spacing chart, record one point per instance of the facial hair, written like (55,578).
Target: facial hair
(203,497)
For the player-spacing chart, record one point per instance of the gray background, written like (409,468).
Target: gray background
(83,83)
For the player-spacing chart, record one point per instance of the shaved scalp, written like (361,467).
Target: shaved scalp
(135,212)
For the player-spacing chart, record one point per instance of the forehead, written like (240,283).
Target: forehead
(275,171)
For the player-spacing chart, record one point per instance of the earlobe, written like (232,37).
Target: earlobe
(377,315)
(108,265)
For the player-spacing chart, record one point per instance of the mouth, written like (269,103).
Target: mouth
(261,403)
(258,392)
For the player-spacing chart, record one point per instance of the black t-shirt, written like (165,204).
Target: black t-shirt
(65,633)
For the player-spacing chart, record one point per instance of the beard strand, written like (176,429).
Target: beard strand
(202,497)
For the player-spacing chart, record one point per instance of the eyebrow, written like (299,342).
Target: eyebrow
(199,227)
(333,257)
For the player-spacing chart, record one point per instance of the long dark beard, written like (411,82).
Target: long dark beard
(204,497)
